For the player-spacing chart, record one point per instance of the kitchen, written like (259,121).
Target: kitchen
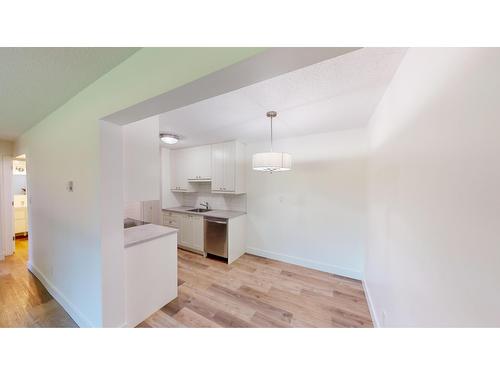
(215,173)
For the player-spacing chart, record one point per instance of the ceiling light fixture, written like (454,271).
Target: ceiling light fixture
(272,161)
(170,139)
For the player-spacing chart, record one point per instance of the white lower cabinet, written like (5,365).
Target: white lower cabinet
(191,229)
(185,231)
(197,224)
(172,219)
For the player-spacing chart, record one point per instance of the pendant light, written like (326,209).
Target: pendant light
(272,161)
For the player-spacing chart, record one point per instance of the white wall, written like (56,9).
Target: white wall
(18,183)
(314,215)
(433,257)
(112,240)
(141,160)
(6,147)
(5,232)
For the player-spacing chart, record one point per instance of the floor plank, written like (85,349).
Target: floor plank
(24,300)
(260,292)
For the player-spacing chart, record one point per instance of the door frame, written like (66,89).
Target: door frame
(6,207)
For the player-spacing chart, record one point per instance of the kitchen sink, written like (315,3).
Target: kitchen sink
(199,210)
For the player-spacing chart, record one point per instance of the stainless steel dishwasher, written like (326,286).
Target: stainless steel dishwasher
(216,236)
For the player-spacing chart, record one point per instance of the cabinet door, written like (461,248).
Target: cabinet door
(218,151)
(229,166)
(182,170)
(174,155)
(185,231)
(204,162)
(171,221)
(198,237)
(178,176)
(199,160)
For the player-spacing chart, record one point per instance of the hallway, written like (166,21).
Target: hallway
(24,300)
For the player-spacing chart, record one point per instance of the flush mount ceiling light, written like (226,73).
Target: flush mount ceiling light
(170,139)
(272,161)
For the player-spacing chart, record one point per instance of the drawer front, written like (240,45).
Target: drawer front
(168,214)
(171,223)
(172,219)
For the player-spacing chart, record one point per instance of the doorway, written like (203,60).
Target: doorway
(19,203)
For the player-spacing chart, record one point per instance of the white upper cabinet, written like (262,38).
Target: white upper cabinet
(230,166)
(199,164)
(228,170)
(218,152)
(179,163)
(221,163)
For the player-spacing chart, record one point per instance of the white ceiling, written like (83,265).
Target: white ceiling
(36,81)
(336,94)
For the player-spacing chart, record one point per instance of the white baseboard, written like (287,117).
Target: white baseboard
(330,268)
(75,314)
(370,305)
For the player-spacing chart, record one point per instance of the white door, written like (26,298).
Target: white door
(218,151)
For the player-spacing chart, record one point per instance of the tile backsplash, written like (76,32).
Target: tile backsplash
(216,201)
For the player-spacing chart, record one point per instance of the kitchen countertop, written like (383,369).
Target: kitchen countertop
(147,232)
(221,214)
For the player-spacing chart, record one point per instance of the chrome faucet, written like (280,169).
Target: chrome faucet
(205,205)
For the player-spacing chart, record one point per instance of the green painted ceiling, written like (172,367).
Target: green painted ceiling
(36,81)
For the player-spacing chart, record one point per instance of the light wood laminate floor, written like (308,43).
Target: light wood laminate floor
(259,292)
(24,301)
(251,292)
